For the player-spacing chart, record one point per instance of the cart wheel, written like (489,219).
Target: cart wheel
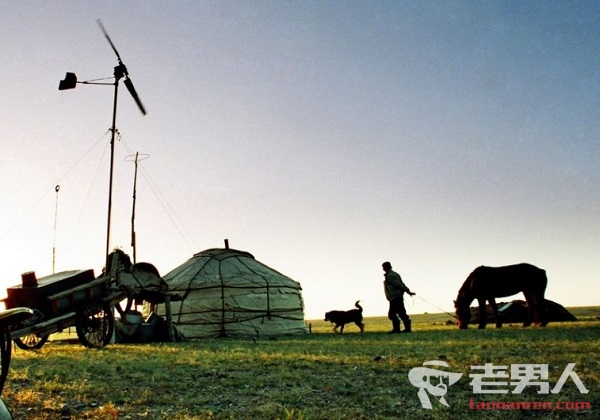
(9,318)
(31,341)
(95,325)
(5,353)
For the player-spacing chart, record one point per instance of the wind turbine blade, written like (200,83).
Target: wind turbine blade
(122,71)
(129,84)
(99,22)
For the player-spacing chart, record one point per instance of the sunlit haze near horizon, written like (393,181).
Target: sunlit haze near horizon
(322,137)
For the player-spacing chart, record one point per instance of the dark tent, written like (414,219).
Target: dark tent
(517,312)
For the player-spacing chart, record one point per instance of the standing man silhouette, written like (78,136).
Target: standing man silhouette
(394,292)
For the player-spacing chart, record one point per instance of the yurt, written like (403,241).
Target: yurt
(228,293)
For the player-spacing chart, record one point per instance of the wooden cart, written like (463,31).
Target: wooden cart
(76,298)
(63,300)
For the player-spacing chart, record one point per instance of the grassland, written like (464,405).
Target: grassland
(317,376)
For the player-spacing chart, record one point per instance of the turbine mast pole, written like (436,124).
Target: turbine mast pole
(118,75)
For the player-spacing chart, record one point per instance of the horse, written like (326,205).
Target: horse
(487,283)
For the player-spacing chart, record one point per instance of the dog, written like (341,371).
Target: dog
(341,318)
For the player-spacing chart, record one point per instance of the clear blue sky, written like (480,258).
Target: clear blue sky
(323,137)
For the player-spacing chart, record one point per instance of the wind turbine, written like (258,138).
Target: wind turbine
(120,71)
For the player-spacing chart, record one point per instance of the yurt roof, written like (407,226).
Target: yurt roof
(215,265)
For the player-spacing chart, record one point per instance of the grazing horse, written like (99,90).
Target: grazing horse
(487,283)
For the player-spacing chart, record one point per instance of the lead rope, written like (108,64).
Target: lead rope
(437,307)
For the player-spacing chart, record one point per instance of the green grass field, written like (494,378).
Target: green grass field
(318,376)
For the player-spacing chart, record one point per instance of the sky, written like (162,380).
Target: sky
(323,137)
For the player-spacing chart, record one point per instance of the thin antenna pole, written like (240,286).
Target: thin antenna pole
(133,209)
(137,158)
(57,189)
